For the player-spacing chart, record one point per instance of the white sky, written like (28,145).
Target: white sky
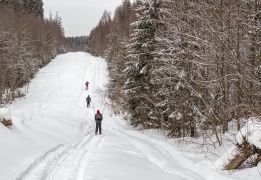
(79,16)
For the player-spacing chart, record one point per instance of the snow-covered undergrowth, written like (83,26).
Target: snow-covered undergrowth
(53,134)
(206,151)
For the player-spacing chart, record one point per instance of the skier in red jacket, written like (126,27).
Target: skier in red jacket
(98,119)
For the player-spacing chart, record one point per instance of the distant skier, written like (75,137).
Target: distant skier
(98,120)
(88,100)
(87,85)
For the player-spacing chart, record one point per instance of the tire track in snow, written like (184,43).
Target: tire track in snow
(62,162)
(80,171)
(72,165)
(41,167)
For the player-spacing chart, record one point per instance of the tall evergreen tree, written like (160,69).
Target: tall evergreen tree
(142,56)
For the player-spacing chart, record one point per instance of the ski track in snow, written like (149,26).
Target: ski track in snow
(120,153)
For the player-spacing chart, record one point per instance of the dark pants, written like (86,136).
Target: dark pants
(88,104)
(98,127)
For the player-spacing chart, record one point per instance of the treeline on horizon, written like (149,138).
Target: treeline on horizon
(28,42)
(78,43)
(186,66)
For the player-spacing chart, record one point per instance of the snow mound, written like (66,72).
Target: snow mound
(251,132)
(224,160)
(4,114)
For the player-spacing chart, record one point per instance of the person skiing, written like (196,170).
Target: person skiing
(98,120)
(88,100)
(87,85)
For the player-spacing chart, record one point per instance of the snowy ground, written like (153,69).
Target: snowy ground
(53,136)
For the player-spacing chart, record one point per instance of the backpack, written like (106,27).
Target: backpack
(98,117)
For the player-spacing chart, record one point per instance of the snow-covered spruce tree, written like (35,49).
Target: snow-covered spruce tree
(142,54)
(178,97)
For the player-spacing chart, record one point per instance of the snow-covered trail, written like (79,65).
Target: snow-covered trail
(60,129)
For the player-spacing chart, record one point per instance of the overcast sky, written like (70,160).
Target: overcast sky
(79,16)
